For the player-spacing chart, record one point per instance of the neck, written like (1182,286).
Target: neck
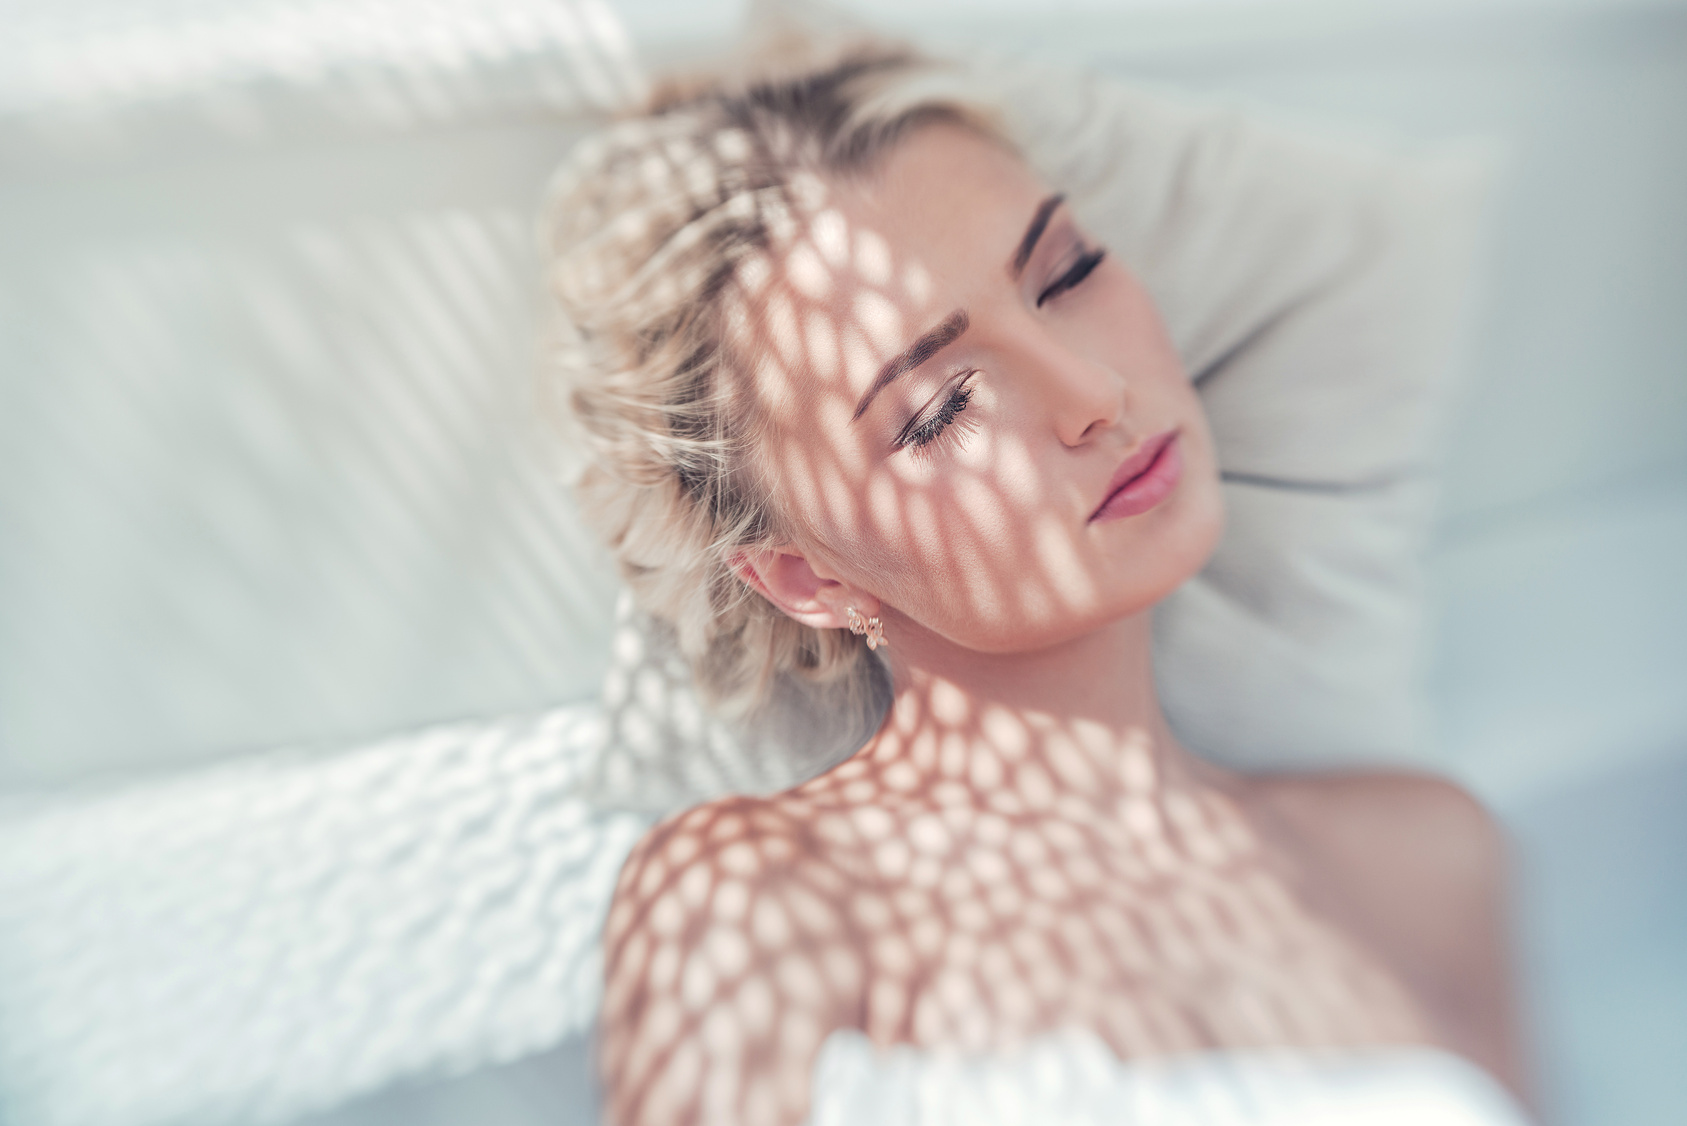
(1100,684)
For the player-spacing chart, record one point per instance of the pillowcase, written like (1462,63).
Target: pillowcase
(270,465)
(1316,292)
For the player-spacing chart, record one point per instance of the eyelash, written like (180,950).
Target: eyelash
(919,434)
(1073,277)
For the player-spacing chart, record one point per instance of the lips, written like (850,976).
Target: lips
(1143,480)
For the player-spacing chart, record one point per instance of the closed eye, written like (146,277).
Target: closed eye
(926,428)
(1074,275)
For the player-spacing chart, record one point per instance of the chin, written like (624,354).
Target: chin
(1124,595)
(1179,552)
(1202,528)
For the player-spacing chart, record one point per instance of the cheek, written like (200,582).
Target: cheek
(1197,528)
(993,551)
(982,540)
(975,549)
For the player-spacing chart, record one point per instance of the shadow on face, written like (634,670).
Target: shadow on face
(945,375)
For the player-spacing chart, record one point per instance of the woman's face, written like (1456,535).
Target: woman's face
(950,386)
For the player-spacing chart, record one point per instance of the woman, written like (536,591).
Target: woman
(860,387)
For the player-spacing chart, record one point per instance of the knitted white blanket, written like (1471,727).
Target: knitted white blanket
(253,942)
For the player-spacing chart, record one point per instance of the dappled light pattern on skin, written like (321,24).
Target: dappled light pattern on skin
(980,505)
(1057,881)
(976,531)
(977,875)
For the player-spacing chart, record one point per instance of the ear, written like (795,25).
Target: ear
(785,578)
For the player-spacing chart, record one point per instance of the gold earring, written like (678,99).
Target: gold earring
(870,628)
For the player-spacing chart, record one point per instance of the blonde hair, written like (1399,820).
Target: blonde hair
(646,227)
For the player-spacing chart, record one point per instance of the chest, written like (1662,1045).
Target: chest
(1162,927)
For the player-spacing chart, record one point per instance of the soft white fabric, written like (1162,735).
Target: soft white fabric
(84,79)
(251,942)
(1072,1079)
(1315,292)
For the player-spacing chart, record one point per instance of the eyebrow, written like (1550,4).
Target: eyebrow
(956,323)
(1039,224)
(918,353)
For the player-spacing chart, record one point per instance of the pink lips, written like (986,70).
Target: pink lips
(1145,479)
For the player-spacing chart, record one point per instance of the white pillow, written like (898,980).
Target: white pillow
(1315,291)
(270,465)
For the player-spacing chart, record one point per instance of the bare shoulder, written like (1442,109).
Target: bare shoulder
(683,860)
(1419,868)
(1426,831)
(727,961)
(708,867)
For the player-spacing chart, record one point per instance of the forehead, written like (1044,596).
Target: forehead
(943,190)
(872,262)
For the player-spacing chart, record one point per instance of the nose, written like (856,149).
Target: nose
(1083,396)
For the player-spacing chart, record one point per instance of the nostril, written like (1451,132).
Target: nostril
(1095,414)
